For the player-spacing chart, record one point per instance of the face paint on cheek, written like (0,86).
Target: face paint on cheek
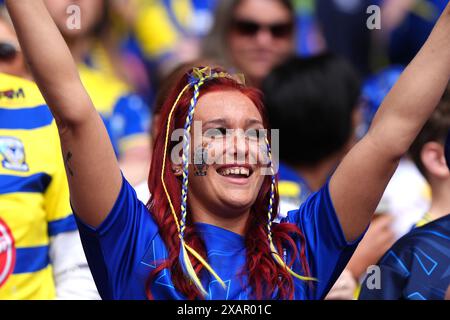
(201,160)
(261,154)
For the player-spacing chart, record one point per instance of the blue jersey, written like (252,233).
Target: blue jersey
(417,267)
(125,249)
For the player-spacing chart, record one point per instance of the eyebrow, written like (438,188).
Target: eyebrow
(249,122)
(224,122)
(215,121)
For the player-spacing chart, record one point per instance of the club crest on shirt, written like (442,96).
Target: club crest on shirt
(12,153)
(7,252)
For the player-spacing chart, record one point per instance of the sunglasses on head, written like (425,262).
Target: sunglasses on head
(7,51)
(251,28)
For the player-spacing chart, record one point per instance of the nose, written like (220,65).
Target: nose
(237,147)
(264,37)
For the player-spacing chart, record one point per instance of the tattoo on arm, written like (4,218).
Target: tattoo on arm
(68,158)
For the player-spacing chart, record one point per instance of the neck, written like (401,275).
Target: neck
(440,203)
(255,82)
(235,223)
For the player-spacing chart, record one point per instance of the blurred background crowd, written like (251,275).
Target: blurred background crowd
(324,73)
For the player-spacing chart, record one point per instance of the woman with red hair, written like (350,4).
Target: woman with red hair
(208,229)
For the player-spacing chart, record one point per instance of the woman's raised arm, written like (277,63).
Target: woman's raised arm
(92,170)
(359,182)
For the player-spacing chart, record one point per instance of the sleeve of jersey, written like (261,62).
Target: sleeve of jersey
(57,205)
(132,118)
(115,248)
(326,248)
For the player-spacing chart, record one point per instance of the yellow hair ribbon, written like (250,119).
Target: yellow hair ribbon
(165,154)
(283,264)
(190,270)
(206,265)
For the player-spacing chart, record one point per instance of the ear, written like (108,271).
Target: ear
(177,170)
(433,159)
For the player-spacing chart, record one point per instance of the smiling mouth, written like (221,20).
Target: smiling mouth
(235,172)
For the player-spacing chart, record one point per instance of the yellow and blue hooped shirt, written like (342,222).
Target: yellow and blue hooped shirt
(34,195)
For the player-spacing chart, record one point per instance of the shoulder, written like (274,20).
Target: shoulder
(422,241)
(431,231)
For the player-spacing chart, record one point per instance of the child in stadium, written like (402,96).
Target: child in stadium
(220,242)
(41,256)
(428,153)
(416,267)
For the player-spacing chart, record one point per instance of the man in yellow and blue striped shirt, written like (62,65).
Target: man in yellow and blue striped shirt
(41,256)
(33,189)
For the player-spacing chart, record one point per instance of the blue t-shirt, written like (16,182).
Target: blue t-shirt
(124,250)
(417,267)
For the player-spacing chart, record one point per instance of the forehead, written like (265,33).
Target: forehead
(232,106)
(262,11)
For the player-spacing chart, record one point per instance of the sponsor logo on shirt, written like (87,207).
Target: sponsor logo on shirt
(12,94)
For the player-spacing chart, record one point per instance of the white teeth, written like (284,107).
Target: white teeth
(244,171)
(235,171)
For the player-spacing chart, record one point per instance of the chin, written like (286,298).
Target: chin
(72,34)
(238,202)
(259,74)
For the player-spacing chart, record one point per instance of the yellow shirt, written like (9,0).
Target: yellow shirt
(155,16)
(34,195)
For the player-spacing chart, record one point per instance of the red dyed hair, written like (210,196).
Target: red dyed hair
(264,275)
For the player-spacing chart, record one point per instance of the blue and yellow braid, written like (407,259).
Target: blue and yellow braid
(273,249)
(197,78)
